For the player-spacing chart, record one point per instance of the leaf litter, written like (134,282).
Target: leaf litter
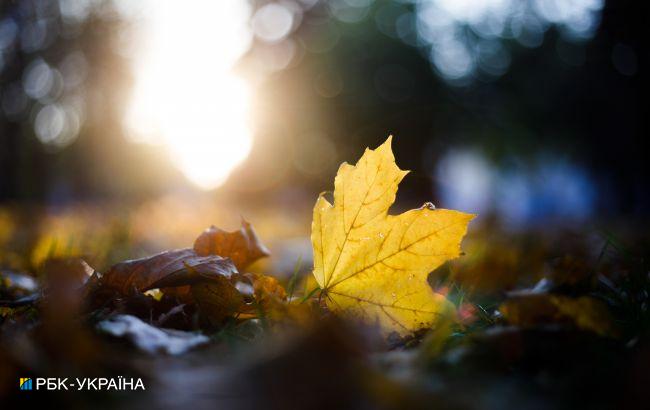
(451,332)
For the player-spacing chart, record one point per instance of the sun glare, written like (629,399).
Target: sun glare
(186,96)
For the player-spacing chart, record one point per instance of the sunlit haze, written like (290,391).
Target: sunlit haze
(186,96)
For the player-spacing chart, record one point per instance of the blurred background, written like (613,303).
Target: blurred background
(145,121)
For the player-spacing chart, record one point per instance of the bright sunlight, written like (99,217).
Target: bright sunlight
(185,95)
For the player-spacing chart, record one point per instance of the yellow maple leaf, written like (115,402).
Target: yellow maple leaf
(372,265)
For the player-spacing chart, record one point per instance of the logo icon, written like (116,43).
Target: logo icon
(25,383)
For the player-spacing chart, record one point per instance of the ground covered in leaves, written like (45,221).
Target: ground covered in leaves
(544,319)
(384,316)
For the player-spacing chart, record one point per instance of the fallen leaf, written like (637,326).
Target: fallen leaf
(149,338)
(266,288)
(534,309)
(217,300)
(269,295)
(373,265)
(167,269)
(242,246)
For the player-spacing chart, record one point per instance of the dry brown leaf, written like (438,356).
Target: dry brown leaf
(584,312)
(217,299)
(266,287)
(242,246)
(270,296)
(167,269)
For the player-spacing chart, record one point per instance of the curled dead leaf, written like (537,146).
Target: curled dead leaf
(205,275)
(266,287)
(167,269)
(267,294)
(242,246)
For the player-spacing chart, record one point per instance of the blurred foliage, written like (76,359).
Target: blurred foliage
(338,76)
